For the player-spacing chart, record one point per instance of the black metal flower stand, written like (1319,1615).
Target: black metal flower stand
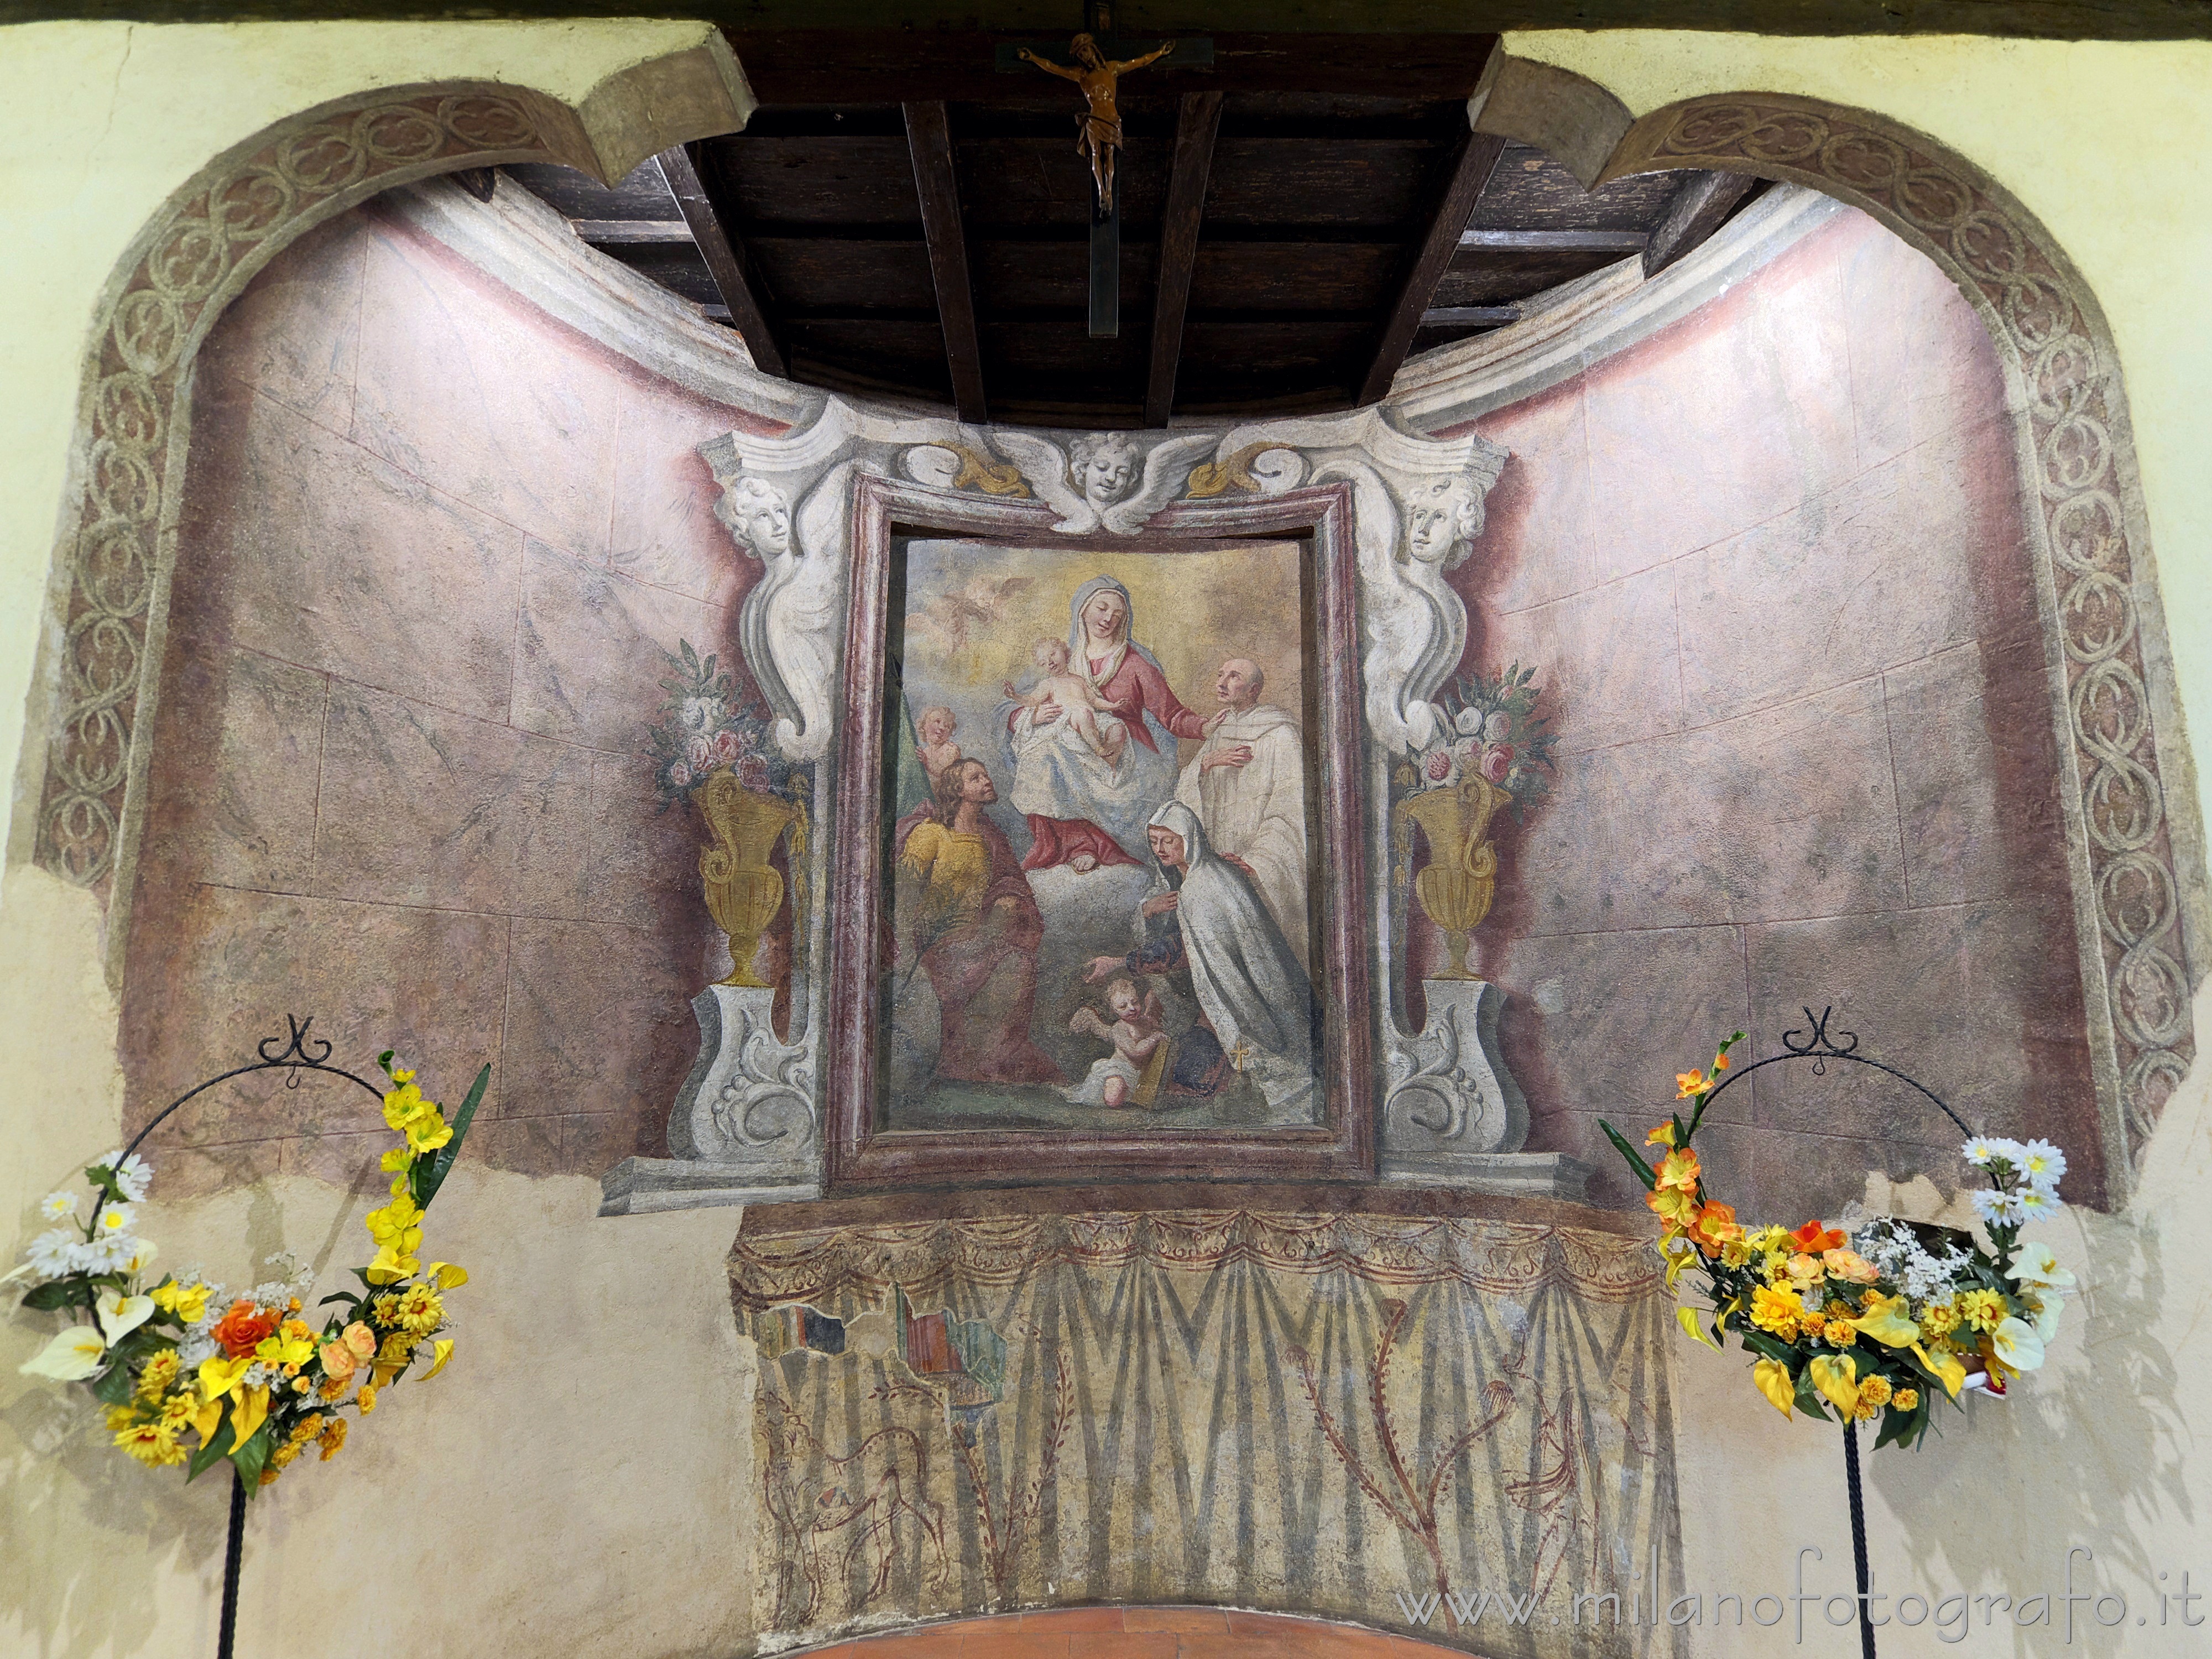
(1816,1045)
(299,1054)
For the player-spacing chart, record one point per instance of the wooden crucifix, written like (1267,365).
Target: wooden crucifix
(1099,142)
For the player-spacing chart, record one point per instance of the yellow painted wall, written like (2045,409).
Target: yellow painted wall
(99,121)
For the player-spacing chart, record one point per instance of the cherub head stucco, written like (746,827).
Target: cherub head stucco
(759,516)
(1105,465)
(1443,515)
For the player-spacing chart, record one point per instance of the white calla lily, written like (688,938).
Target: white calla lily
(2017,1345)
(70,1358)
(120,1315)
(2035,1265)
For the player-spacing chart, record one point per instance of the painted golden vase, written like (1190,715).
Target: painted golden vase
(1461,878)
(743,893)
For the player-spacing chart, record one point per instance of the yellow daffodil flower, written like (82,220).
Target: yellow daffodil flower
(1692,1085)
(398,1158)
(285,1350)
(187,1301)
(1662,1136)
(1772,1378)
(1885,1320)
(1836,1376)
(1678,1170)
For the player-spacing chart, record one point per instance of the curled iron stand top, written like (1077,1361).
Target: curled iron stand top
(299,1053)
(1816,1044)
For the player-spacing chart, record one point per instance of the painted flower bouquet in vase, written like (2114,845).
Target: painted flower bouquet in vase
(1878,1321)
(710,749)
(1491,750)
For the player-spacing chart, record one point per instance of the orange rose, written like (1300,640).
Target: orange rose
(362,1339)
(338,1362)
(244,1328)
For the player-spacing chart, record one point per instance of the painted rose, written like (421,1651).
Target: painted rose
(1436,767)
(1467,753)
(700,753)
(701,714)
(243,1329)
(752,772)
(1497,728)
(679,775)
(1497,762)
(1469,722)
(726,746)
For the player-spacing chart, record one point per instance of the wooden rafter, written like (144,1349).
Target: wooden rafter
(1699,209)
(1470,173)
(723,253)
(1198,119)
(1553,241)
(929,139)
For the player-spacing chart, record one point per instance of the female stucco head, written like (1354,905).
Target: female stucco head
(759,517)
(1443,516)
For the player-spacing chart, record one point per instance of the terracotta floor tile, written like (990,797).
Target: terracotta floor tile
(1198,1620)
(1009,1643)
(1127,1645)
(1070,1621)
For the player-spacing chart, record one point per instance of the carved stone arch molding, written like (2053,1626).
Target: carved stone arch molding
(2135,845)
(93,691)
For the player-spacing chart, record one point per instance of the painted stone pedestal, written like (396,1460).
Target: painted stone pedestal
(742,1130)
(1454,1116)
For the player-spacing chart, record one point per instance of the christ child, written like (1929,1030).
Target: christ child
(1136,1035)
(1076,698)
(935,728)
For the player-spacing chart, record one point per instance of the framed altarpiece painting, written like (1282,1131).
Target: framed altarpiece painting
(1104,724)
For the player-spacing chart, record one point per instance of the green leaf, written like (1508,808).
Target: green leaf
(441,1162)
(208,1453)
(249,1457)
(1645,1172)
(54,1293)
(346,1296)
(1809,1399)
(112,1386)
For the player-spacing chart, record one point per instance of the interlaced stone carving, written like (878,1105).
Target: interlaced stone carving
(2073,400)
(208,243)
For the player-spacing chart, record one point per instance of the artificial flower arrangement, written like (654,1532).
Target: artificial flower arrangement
(1872,1323)
(705,728)
(248,1378)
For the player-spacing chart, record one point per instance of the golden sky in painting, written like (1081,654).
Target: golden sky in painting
(967,631)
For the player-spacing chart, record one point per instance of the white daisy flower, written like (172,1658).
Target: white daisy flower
(1997,1209)
(2038,1203)
(133,1176)
(114,1219)
(112,1252)
(54,1254)
(58,1207)
(1981,1152)
(2042,1163)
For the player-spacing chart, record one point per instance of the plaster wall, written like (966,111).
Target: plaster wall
(438,550)
(1772,565)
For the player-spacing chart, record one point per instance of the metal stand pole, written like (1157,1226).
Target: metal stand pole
(228,1639)
(1858,1535)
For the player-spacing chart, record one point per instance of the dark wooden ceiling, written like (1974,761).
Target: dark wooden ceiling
(1328,229)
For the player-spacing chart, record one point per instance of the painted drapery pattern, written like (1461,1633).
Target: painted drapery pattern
(1268,1410)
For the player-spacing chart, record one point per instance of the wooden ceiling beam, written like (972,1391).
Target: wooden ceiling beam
(1197,119)
(848,67)
(1553,241)
(929,139)
(723,253)
(631,230)
(1463,187)
(1699,209)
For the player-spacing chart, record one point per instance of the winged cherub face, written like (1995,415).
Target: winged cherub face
(1105,468)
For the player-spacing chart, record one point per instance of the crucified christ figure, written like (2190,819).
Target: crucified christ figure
(1098,76)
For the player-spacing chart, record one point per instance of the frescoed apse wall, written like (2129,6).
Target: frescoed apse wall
(1756,529)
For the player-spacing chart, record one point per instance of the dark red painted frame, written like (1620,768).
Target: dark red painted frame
(859,1155)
